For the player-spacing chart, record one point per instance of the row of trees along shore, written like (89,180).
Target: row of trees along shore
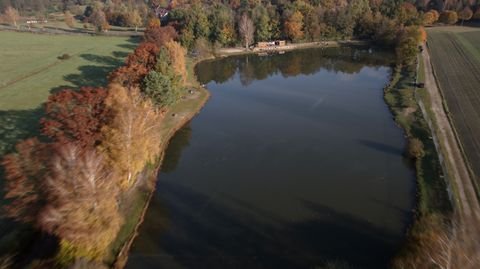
(70,181)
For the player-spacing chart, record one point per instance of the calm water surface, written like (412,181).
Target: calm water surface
(294,162)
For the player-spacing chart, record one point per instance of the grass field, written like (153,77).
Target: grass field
(31,70)
(455,54)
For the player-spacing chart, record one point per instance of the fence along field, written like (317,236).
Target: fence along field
(456,61)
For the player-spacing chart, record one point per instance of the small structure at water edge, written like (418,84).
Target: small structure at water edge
(271,44)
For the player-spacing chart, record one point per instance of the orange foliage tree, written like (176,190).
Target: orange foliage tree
(131,139)
(177,59)
(24,173)
(137,66)
(75,116)
(160,35)
(430,17)
(294,26)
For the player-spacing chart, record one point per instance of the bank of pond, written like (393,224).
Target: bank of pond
(294,162)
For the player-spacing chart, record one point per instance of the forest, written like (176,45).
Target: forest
(228,23)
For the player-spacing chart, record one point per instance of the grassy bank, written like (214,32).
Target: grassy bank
(135,204)
(433,205)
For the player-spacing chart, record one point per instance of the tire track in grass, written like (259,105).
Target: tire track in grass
(456,87)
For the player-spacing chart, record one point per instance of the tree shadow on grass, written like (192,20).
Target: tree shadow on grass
(90,75)
(95,74)
(132,42)
(103,59)
(16,125)
(195,231)
(120,54)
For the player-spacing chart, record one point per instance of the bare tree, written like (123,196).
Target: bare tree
(11,15)
(246,29)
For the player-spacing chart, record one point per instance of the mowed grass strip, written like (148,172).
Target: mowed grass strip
(31,71)
(457,68)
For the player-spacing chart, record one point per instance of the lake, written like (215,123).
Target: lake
(294,162)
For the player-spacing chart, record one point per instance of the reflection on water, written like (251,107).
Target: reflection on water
(295,162)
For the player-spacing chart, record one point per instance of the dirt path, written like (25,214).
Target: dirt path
(465,243)
(291,46)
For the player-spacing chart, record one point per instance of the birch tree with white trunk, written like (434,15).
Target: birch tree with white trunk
(246,29)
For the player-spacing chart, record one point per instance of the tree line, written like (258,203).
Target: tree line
(233,22)
(70,181)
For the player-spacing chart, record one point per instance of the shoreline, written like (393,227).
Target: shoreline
(199,102)
(433,205)
(121,259)
(226,52)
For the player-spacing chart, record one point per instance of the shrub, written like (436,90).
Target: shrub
(64,56)
(415,148)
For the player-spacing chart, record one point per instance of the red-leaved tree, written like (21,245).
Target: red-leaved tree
(160,35)
(24,171)
(75,116)
(137,66)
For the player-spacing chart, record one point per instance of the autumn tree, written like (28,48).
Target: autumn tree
(465,14)
(430,17)
(423,34)
(134,19)
(75,116)
(25,170)
(448,17)
(294,26)
(176,54)
(415,148)
(246,29)
(160,35)
(82,206)
(131,139)
(137,66)
(11,15)
(153,22)
(407,44)
(69,20)
(407,13)
(99,20)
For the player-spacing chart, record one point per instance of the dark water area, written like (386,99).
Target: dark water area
(294,162)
